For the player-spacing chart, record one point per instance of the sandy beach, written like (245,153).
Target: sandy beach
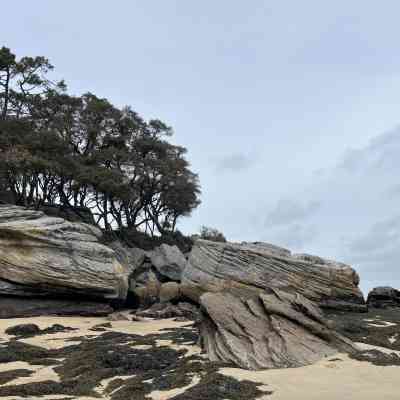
(338,377)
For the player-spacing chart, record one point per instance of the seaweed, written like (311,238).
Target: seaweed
(82,367)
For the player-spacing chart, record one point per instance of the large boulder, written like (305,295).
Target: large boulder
(168,261)
(271,330)
(384,297)
(48,256)
(253,268)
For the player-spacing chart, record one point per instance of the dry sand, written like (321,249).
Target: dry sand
(326,380)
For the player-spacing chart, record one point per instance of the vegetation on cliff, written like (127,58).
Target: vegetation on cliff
(82,151)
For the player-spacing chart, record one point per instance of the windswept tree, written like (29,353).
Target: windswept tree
(85,152)
(212,234)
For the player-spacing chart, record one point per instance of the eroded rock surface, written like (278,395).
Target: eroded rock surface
(275,330)
(42,255)
(253,268)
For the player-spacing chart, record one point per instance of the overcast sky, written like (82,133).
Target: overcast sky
(289,109)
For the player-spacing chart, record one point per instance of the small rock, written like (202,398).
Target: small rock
(118,316)
(136,318)
(23,330)
(169,291)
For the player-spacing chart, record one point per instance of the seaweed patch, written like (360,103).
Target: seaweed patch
(82,368)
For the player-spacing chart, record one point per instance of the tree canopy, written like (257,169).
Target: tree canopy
(82,151)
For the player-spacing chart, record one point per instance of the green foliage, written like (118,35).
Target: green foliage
(85,152)
(212,234)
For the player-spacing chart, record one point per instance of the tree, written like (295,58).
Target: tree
(85,152)
(7,69)
(212,234)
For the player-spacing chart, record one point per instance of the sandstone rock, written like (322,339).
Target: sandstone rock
(142,297)
(169,291)
(169,261)
(244,269)
(271,248)
(338,305)
(41,255)
(275,330)
(145,287)
(15,307)
(132,257)
(384,297)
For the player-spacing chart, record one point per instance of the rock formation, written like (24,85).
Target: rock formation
(270,330)
(383,297)
(169,262)
(154,274)
(253,268)
(48,256)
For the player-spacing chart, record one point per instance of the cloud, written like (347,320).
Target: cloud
(296,236)
(288,211)
(382,235)
(235,162)
(359,222)
(394,191)
(377,251)
(382,153)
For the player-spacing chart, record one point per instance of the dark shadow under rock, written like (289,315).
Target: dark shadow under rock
(13,307)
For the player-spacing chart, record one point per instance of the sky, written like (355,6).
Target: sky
(289,110)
